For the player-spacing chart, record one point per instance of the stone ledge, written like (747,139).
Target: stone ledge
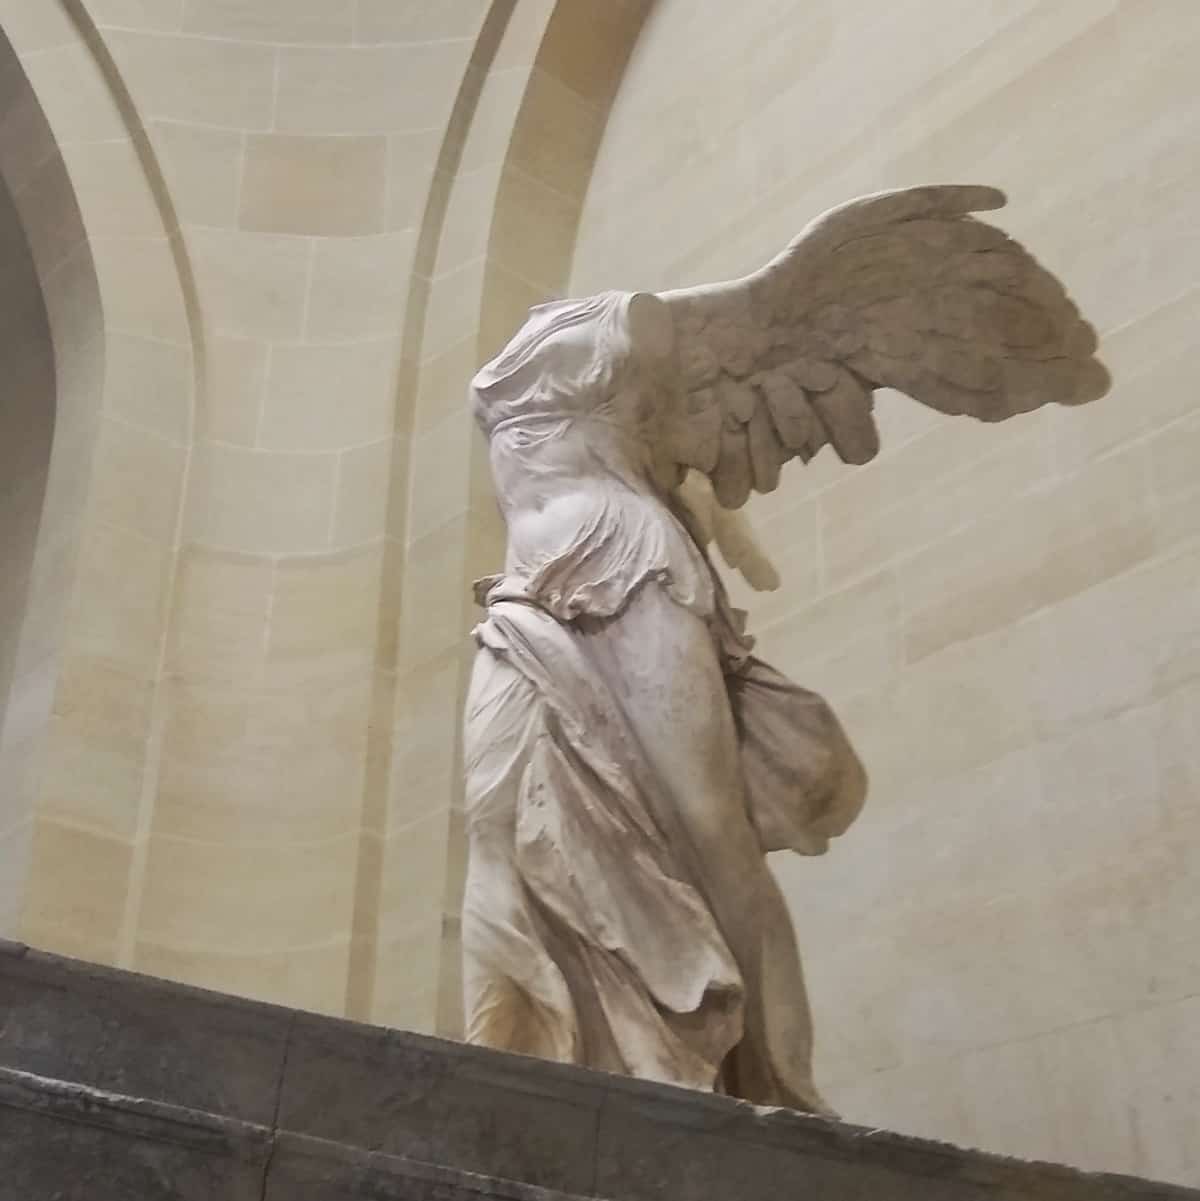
(147,1149)
(346,1110)
(64,1141)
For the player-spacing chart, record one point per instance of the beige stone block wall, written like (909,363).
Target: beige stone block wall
(77,713)
(212,704)
(297,144)
(1003,950)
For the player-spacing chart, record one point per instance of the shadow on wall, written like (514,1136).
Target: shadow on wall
(26,431)
(52,360)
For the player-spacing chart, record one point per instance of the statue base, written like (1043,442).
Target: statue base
(118,1085)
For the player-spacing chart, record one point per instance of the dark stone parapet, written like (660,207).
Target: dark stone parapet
(149,1089)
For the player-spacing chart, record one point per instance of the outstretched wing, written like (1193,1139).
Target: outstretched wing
(900,290)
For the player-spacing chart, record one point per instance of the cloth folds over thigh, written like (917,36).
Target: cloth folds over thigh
(589,927)
(584,939)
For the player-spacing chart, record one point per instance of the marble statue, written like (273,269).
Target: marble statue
(629,761)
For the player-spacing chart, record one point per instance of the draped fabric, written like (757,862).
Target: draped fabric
(587,935)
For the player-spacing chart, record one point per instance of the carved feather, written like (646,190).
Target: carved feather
(902,290)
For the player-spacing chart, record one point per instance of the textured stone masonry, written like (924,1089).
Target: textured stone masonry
(116,1085)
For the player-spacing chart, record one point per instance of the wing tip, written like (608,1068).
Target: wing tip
(985,198)
(1095,381)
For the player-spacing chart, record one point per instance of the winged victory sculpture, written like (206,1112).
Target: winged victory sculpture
(629,761)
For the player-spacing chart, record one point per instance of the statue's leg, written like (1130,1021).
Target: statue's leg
(514,996)
(665,669)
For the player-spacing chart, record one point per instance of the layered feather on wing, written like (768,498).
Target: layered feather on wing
(901,290)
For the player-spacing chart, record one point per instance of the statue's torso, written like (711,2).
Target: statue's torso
(586,523)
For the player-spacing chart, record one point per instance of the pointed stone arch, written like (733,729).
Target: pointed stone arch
(77,745)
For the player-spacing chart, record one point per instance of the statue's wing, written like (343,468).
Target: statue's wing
(900,290)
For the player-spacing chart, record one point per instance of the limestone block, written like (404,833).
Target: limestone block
(843,643)
(231,407)
(112,188)
(485,142)
(26,140)
(249,898)
(360,287)
(218,630)
(555,140)
(99,730)
(149,384)
(204,81)
(49,215)
(323,619)
(252,501)
(415,855)
(77,884)
(311,976)
(1150,358)
(443,383)
(586,48)
(406,964)
(271,20)
(1175,462)
(138,481)
(411,158)
(423,739)
(436,561)
(252,285)
(329,397)
(467,223)
(440,470)
(120,597)
(203,169)
(77,101)
(1034,552)
(367,89)
(73,306)
(165,16)
(419,21)
(533,231)
(1144,620)
(329,186)
(15,842)
(454,305)
(996,1077)
(1090,1120)
(364,482)
(506,299)
(49,598)
(141,288)
(1159,1052)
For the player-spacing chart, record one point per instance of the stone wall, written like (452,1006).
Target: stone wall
(1003,950)
(225,203)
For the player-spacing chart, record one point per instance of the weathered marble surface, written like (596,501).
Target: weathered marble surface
(629,761)
(342,1111)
